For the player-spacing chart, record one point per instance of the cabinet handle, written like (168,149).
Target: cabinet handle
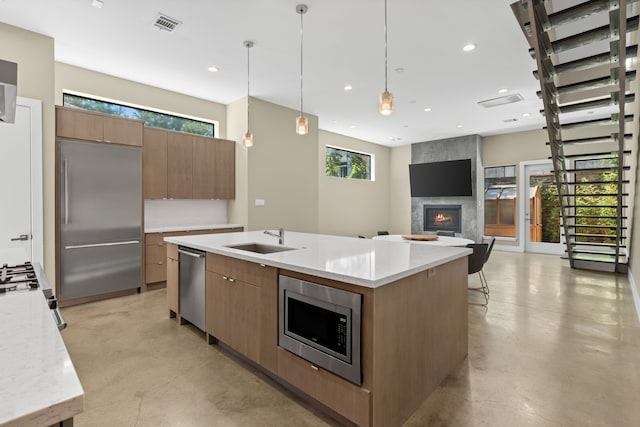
(160,263)
(232,280)
(314,367)
(225,278)
(262,265)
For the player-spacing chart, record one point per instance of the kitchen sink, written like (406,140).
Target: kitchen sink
(260,248)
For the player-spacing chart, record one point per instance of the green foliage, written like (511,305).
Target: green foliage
(150,118)
(333,162)
(590,195)
(550,208)
(358,167)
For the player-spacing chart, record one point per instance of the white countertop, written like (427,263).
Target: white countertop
(38,383)
(441,241)
(363,262)
(169,228)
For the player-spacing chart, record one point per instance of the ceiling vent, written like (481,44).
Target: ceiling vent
(503,100)
(510,120)
(166,23)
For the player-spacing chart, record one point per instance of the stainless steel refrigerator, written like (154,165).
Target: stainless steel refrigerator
(99,218)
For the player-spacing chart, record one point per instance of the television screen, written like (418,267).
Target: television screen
(441,179)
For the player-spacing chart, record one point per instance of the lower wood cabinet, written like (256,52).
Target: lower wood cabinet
(235,315)
(347,399)
(156,251)
(173,280)
(242,307)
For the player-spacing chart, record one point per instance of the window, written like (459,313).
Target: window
(151,118)
(348,164)
(500,195)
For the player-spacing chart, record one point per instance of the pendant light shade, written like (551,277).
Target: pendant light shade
(386,103)
(386,98)
(248,137)
(302,124)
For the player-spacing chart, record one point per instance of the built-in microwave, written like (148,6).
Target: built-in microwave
(322,325)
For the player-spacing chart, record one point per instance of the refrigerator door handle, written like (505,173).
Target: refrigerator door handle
(65,163)
(100,245)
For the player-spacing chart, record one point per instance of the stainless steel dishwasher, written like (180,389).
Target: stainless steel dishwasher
(192,288)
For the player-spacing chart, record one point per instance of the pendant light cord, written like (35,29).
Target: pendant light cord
(301,59)
(248,80)
(386,66)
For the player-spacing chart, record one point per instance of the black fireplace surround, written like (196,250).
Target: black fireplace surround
(443,218)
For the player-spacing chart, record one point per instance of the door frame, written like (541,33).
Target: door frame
(37,227)
(523,227)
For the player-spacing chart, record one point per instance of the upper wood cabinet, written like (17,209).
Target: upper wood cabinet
(154,164)
(91,126)
(224,168)
(179,165)
(203,168)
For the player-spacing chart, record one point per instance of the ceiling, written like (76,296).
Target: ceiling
(343,44)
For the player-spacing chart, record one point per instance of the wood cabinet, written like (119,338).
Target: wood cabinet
(204,168)
(241,307)
(92,126)
(347,399)
(179,165)
(154,164)
(224,168)
(173,280)
(155,254)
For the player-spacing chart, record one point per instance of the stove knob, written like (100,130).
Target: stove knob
(53,303)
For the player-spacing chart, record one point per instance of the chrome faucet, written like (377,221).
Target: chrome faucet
(280,235)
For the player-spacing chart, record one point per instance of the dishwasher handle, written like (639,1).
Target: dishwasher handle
(192,254)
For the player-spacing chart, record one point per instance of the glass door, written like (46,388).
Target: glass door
(541,209)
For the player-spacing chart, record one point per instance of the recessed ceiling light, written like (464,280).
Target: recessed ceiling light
(97,4)
(213,69)
(526,114)
(427,109)
(459,126)
(348,87)
(503,90)
(469,47)
(353,126)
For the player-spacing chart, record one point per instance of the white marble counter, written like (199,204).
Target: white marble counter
(363,262)
(38,383)
(167,229)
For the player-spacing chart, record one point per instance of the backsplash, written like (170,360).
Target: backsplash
(180,213)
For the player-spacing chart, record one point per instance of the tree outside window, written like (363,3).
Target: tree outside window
(347,164)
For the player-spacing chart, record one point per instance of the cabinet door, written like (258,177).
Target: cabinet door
(79,125)
(225,169)
(203,168)
(246,319)
(173,290)
(123,131)
(179,165)
(219,307)
(154,164)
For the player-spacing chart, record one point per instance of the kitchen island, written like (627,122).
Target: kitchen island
(413,329)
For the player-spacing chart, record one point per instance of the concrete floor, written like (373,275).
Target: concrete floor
(556,347)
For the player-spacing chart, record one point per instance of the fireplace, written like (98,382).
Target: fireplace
(443,218)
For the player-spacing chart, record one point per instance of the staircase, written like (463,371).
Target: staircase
(584,65)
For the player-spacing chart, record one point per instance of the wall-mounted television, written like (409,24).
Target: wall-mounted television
(441,179)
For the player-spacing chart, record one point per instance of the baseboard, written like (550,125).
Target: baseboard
(634,291)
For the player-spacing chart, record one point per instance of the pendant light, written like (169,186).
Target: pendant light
(386,98)
(248,137)
(302,124)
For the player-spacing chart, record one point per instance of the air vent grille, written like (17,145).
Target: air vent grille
(166,23)
(503,100)
(510,120)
